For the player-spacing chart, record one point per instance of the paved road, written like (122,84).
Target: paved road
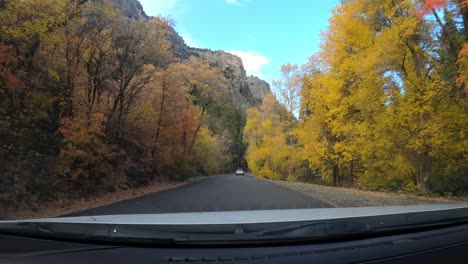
(217,193)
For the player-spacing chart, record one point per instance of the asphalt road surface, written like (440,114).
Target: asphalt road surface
(217,193)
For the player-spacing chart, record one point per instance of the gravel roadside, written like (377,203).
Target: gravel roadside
(348,197)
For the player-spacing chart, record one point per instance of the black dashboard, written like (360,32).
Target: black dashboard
(446,245)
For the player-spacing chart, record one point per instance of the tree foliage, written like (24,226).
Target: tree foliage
(272,141)
(97,93)
(383,104)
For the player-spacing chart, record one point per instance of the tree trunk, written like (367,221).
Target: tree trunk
(67,93)
(464,12)
(156,139)
(184,133)
(336,175)
(158,126)
(423,171)
(454,48)
(117,108)
(196,132)
(119,119)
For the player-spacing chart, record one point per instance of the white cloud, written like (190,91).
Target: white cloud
(159,7)
(238,2)
(232,2)
(253,61)
(188,39)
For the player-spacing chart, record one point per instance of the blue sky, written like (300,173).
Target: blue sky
(264,33)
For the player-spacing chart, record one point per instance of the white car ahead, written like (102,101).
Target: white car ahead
(239,172)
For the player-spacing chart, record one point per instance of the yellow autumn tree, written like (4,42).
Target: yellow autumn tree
(380,106)
(272,151)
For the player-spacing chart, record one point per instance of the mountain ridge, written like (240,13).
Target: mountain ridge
(243,90)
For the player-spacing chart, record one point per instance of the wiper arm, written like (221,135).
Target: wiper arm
(320,229)
(55,230)
(228,234)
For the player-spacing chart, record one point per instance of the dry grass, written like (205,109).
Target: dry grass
(348,197)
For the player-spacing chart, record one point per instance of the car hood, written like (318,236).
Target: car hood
(243,227)
(249,217)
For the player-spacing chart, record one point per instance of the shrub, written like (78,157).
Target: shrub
(447,182)
(291,179)
(180,169)
(377,181)
(139,176)
(85,163)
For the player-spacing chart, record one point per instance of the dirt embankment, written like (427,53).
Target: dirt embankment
(348,197)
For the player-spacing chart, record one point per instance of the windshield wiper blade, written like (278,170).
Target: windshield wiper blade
(350,227)
(229,234)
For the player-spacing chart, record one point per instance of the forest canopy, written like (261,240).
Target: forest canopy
(92,98)
(383,104)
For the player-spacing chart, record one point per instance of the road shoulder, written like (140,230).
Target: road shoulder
(348,197)
(63,207)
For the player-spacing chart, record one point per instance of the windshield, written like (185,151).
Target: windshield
(134,108)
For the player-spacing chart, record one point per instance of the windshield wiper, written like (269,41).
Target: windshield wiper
(248,233)
(311,232)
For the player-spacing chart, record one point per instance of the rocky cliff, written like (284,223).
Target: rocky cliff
(244,91)
(131,8)
(258,87)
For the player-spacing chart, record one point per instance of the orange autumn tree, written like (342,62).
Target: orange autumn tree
(86,161)
(171,120)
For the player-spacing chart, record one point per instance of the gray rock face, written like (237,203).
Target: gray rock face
(245,92)
(131,8)
(258,87)
(180,49)
(230,62)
